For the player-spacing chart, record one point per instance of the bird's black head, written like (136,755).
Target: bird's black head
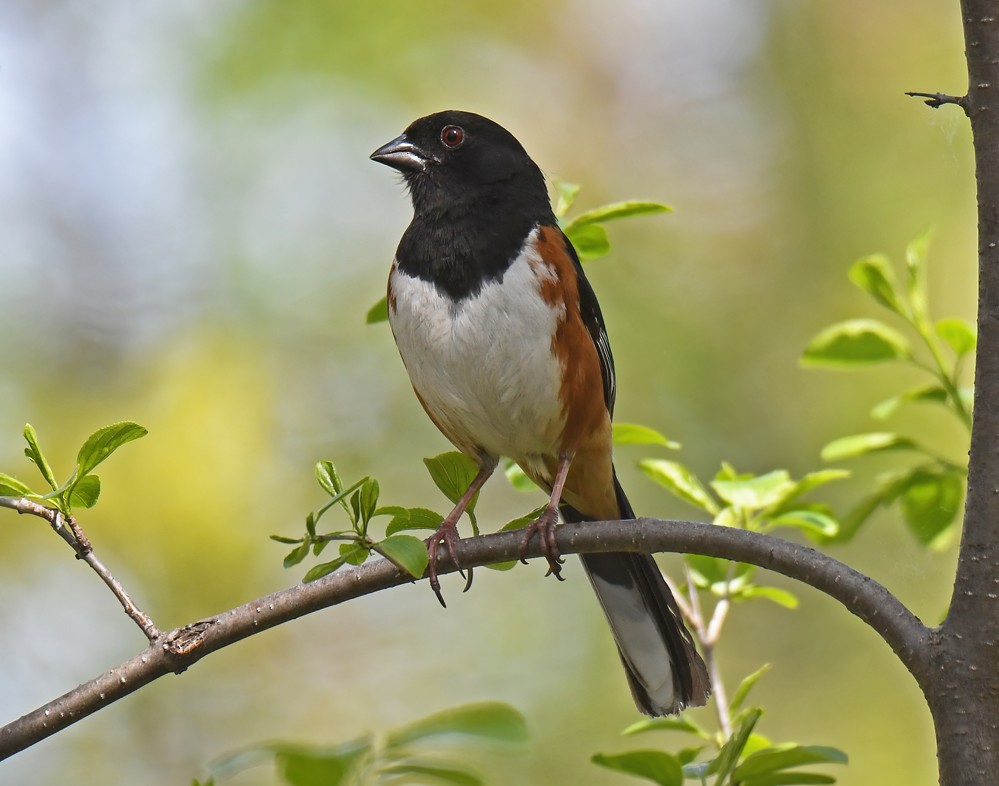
(450,158)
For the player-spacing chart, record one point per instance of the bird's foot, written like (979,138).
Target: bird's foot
(447,533)
(544,528)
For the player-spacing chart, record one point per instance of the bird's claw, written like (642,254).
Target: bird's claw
(544,527)
(447,533)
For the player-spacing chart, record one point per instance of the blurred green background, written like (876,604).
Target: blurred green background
(191,233)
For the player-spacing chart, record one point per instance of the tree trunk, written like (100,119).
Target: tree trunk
(962,681)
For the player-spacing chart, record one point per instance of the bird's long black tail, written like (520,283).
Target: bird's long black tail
(664,670)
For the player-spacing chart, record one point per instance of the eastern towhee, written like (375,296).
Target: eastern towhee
(507,351)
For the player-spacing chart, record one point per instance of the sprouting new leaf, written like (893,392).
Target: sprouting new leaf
(862,444)
(746,686)
(354,553)
(408,553)
(615,211)
(377,313)
(926,393)
(856,342)
(413,518)
(590,241)
(306,767)
(12,487)
(85,492)
(329,478)
(755,492)
(368,499)
(323,569)
(487,720)
(635,434)
(959,334)
(453,473)
(103,442)
(680,481)
(35,455)
(874,275)
(655,766)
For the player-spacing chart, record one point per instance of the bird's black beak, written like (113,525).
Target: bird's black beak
(403,155)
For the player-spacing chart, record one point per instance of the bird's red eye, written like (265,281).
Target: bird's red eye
(452,136)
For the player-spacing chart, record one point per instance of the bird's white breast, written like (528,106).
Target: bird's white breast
(484,366)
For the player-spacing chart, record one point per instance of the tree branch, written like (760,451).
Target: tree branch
(183,647)
(67,528)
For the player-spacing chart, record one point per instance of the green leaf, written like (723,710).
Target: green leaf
(779,596)
(730,752)
(35,455)
(12,487)
(453,473)
(756,492)
(927,393)
(408,553)
(786,756)
(745,687)
(518,478)
(85,492)
(873,274)
(323,569)
(487,720)
(413,518)
(654,766)
(368,499)
(635,434)
(319,767)
(297,554)
(721,576)
(285,539)
(793,778)
(354,553)
(679,480)
(589,240)
(565,195)
(915,263)
(862,444)
(615,211)
(854,343)
(930,500)
(959,334)
(672,723)
(103,442)
(329,478)
(435,772)
(377,313)
(811,522)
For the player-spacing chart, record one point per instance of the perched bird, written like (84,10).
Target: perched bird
(507,351)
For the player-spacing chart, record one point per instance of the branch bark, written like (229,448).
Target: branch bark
(183,647)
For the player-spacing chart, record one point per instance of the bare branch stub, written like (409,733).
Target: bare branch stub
(937,100)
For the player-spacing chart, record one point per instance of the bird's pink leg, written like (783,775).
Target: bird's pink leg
(544,526)
(447,532)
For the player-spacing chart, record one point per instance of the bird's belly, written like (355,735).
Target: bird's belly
(484,367)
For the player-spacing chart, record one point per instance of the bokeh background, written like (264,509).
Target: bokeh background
(191,233)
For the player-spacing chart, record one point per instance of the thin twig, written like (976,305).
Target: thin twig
(70,531)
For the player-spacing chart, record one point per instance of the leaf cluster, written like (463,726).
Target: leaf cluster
(401,756)
(82,488)
(928,493)
(744,758)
